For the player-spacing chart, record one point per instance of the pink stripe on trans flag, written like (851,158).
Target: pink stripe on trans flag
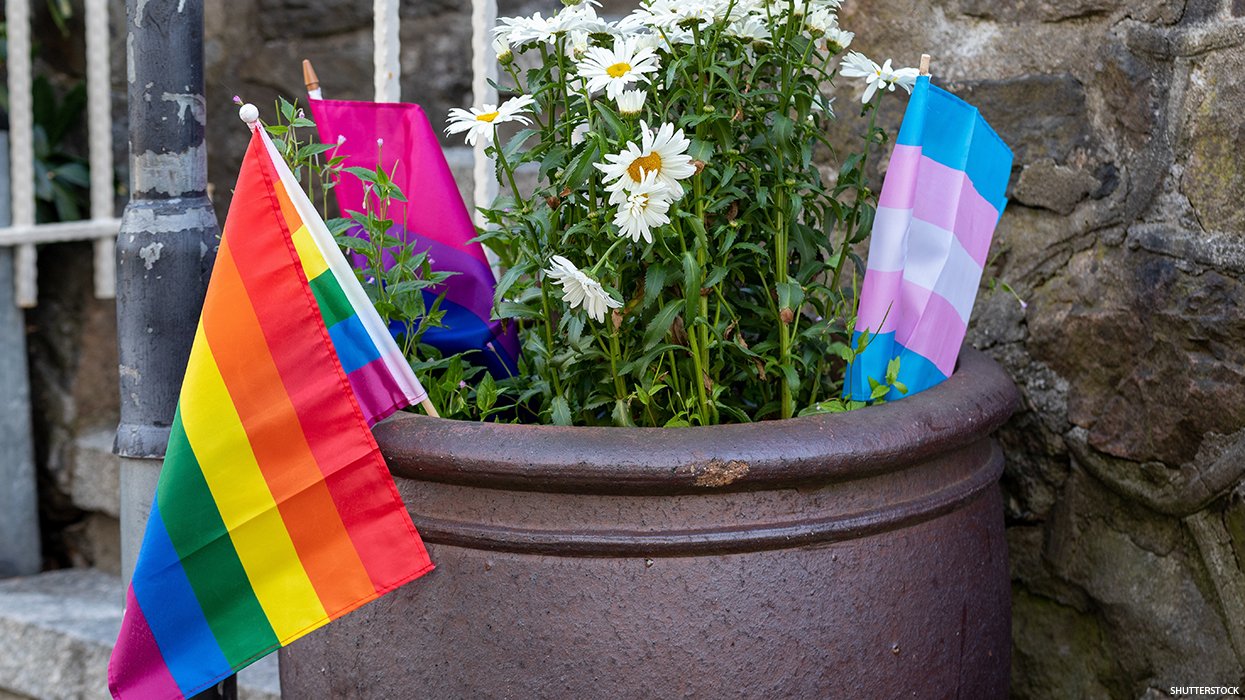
(936,335)
(972,221)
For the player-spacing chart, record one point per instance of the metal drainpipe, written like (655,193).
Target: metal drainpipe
(165,250)
(20,553)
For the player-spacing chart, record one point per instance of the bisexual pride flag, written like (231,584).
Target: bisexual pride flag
(274,512)
(942,197)
(434,219)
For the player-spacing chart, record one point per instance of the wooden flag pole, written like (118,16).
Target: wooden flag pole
(924,64)
(311,80)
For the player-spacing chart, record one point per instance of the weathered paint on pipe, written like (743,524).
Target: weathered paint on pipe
(159,296)
(166,246)
(853,555)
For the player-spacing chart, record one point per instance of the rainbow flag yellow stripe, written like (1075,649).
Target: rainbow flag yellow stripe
(275,512)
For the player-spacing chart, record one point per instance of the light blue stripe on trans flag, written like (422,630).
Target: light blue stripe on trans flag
(952,132)
(916,372)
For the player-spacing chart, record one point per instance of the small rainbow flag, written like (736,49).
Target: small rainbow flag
(275,512)
(943,195)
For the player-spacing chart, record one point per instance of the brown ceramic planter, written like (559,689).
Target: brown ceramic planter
(850,556)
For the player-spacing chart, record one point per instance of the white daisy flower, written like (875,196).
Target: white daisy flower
(676,14)
(857,65)
(750,29)
(578,289)
(642,209)
(615,69)
(701,12)
(820,21)
(481,121)
(581,18)
(630,102)
(517,31)
(576,44)
(836,40)
(663,153)
(501,47)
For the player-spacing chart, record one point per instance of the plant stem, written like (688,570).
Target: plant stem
(854,216)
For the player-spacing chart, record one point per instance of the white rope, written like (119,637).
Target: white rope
(99,125)
(387,49)
(21,146)
(483,70)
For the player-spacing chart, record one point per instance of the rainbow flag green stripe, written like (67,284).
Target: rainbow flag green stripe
(275,512)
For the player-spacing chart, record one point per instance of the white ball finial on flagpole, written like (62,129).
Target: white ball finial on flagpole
(248,113)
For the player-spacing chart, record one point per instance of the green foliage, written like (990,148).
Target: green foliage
(62,179)
(740,308)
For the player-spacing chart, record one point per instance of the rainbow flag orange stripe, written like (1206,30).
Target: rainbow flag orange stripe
(275,512)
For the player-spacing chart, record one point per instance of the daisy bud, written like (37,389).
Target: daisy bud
(502,48)
(631,102)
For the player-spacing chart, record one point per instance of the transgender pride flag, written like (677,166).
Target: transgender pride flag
(435,219)
(943,195)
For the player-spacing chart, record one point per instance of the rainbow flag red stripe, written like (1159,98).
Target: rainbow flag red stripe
(275,512)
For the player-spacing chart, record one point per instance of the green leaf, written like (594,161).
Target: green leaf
(580,167)
(660,325)
(790,295)
(507,280)
(363,174)
(654,281)
(486,394)
(700,150)
(622,414)
(515,144)
(561,411)
(691,284)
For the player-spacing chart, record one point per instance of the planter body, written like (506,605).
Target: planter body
(858,555)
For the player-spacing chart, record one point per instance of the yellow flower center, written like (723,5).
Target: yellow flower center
(618,70)
(650,163)
(490,116)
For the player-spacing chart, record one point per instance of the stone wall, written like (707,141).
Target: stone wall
(1126,237)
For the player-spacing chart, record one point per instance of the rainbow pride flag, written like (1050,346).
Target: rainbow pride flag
(434,221)
(943,195)
(275,512)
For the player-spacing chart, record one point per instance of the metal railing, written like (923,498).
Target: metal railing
(24,235)
(388,71)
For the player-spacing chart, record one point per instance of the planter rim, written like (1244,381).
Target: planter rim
(977,399)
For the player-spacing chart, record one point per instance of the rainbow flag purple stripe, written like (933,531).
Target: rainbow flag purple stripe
(944,192)
(434,220)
